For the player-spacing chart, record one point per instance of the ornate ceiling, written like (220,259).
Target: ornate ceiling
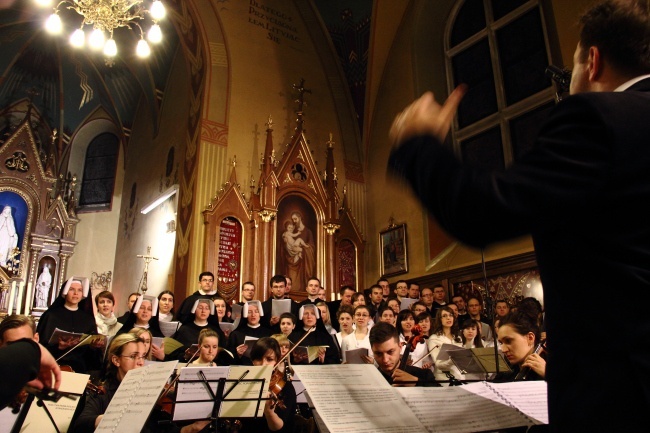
(68,86)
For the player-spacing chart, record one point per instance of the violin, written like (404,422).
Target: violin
(278,380)
(416,336)
(91,388)
(523,373)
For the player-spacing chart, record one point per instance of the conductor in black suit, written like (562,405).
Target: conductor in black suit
(581,192)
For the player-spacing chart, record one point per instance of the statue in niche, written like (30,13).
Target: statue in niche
(43,284)
(8,236)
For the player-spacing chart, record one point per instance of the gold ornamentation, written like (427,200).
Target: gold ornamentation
(287,178)
(331,228)
(311,185)
(267,215)
(17,162)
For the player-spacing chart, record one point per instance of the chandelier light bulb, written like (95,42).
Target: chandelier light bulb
(110,49)
(143,50)
(157,10)
(53,24)
(78,38)
(96,39)
(155,34)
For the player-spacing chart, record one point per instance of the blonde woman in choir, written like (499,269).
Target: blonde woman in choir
(208,348)
(445,331)
(325,315)
(360,337)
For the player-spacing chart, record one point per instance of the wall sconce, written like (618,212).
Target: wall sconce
(161,198)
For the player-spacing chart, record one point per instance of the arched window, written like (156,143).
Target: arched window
(499,49)
(99,172)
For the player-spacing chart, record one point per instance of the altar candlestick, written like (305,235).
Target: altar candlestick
(10,308)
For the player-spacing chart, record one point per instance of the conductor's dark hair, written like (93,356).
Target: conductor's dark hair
(382,332)
(262,346)
(621,31)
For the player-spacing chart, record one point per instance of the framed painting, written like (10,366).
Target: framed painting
(393,259)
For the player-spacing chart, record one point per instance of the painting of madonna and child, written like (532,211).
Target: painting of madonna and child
(296,241)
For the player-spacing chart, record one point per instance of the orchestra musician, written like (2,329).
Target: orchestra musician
(519,337)
(208,348)
(125,353)
(385,345)
(266,351)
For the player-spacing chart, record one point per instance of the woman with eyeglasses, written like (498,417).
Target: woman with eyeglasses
(151,350)
(125,353)
(445,331)
(359,339)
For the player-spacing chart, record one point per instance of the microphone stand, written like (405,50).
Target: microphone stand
(489,307)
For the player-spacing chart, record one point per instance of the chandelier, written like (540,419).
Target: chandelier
(104,16)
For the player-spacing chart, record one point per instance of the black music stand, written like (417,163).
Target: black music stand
(218,398)
(479,361)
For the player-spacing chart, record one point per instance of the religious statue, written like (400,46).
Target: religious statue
(43,284)
(299,250)
(8,235)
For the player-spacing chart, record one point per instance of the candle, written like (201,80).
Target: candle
(10,308)
(332,297)
(19,307)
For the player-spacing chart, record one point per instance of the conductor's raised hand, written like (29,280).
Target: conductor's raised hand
(425,116)
(48,368)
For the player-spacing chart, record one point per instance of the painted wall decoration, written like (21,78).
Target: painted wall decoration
(229,258)
(296,241)
(347,254)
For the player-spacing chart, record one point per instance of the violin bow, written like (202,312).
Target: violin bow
(74,347)
(286,355)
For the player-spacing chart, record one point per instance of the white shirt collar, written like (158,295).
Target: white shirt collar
(631,82)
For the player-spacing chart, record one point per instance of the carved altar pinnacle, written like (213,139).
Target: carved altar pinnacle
(269,124)
(301,102)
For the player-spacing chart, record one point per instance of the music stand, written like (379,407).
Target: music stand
(479,361)
(197,398)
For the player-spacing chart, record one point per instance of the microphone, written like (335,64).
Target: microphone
(562,77)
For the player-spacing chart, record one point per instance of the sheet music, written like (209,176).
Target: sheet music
(530,397)
(62,411)
(169,328)
(135,398)
(406,303)
(187,391)
(467,408)
(356,398)
(250,390)
(236,311)
(279,306)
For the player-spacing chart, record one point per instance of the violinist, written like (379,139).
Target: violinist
(208,348)
(519,337)
(445,331)
(405,324)
(266,351)
(125,353)
(152,351)
(385,345)
(71,312)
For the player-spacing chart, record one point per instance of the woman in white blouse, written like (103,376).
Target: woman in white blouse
(445,331)
(360,337)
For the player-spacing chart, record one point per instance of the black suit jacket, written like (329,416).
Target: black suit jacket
(581,192)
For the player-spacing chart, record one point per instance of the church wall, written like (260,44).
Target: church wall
(268,49)
(96,234)
(147,166)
